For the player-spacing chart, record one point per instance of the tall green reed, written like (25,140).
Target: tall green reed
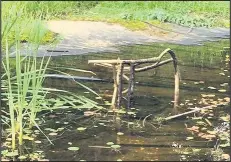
(24,75)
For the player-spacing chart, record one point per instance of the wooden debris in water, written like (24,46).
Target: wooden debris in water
(118,67)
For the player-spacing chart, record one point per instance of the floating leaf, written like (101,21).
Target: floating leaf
(65,122)
(227,99)
(225,118)
(110,143)
(130,113)
(200,122)
(189,138)
(224,84)
(98,98)
(196,82)
(53,134)
(225,156)
(69,143)
(212,132)
(222,90)
(208,95)
(60,129)
(121,111)
(115,146)
(27,138)
(11,154)
(194,128)
(37,141)
(224,145)
(81,129)
(204,128)
(222,73)
(120,133)
(73,148)
(211,88)
(119,160)
(88,113)
(208,136)
(22,157)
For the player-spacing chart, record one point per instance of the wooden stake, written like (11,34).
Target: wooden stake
(119,83)
(115,92)
(131,86)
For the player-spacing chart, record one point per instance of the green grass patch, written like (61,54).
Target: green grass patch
(129,14)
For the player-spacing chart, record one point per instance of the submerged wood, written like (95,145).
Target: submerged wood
(120,84)
(118,67)
(131,86)
(114,97)
(192,111)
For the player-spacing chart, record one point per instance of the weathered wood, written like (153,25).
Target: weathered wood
(192,111)
(120,84)
(131,86)
(149,60)
(115,85)
(177,80)
(153,66)
(118,74)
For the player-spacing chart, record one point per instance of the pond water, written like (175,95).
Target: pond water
(139,138)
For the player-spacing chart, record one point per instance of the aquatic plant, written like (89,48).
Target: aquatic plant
(23,94)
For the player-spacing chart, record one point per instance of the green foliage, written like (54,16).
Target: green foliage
(194,14)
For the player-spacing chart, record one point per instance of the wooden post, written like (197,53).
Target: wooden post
(131,86)
(177,84)
(115,85)
(120,84)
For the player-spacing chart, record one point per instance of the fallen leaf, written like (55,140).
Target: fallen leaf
(189,138)
(222,90)
(73,148)
(194,128)
(208,95)
(225,156)
(224,84)
(211,88)
(110,143)
(225,118)
(120,133)
(88,113)
(227,99)
(208,136)
(212,132)
(53,134)
(81,129)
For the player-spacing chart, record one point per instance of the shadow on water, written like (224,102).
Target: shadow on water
(139,139)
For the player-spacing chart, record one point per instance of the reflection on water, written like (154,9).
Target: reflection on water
(200,67)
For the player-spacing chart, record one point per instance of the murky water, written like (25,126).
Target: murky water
(141,140)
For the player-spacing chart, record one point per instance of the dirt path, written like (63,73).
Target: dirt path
(81,37)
